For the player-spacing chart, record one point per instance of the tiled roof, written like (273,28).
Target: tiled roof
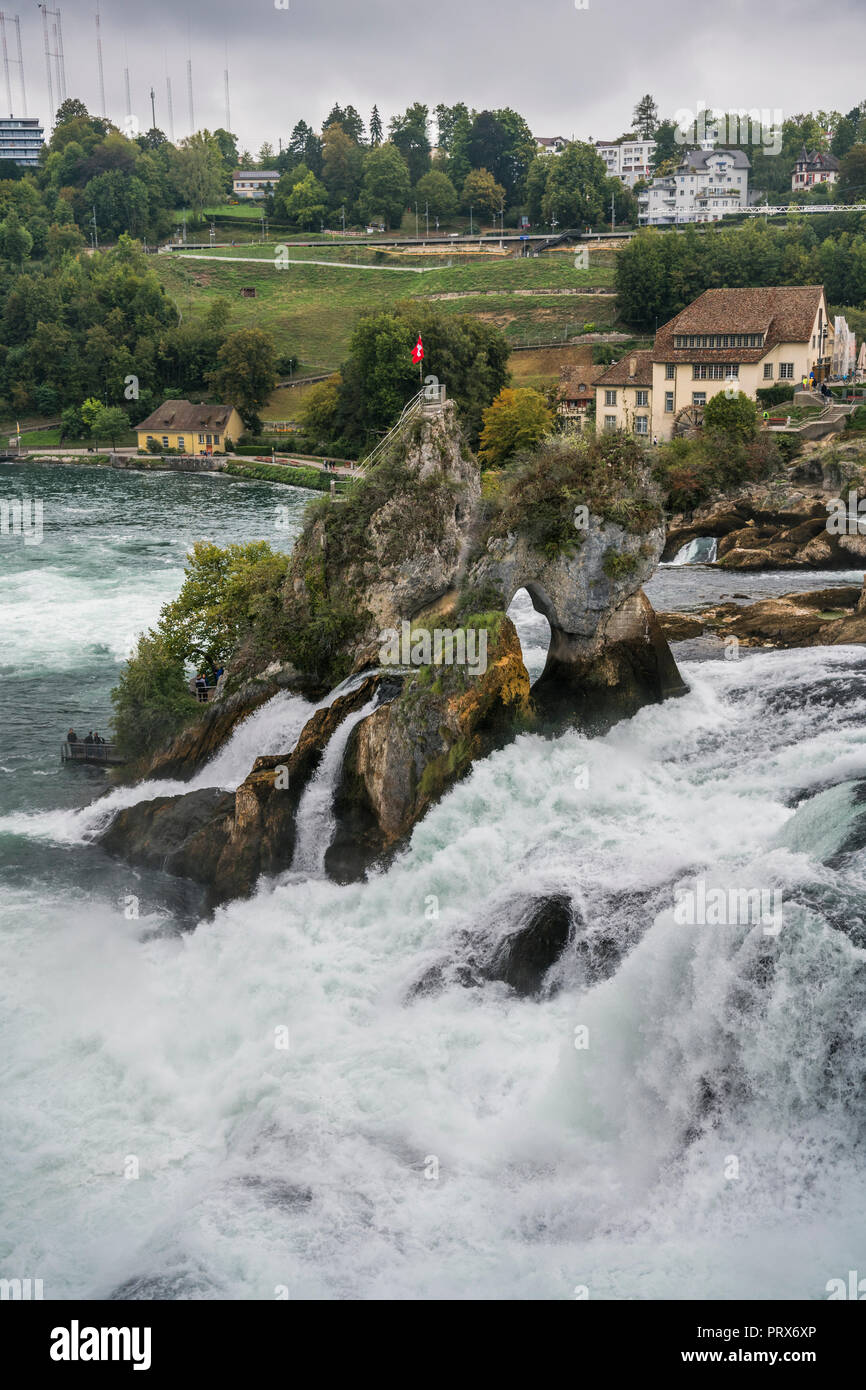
(186,417)
(783,314)
(575,382)
(697,159)
(635,369)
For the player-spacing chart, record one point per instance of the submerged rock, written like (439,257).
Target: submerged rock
(523,957)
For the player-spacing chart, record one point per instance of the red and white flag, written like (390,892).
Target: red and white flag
(418,351)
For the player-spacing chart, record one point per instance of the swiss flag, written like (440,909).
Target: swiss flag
(418,351)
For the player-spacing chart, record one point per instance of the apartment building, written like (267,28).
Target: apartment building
(629,160)
(623,396)
(706,184)
(21,139)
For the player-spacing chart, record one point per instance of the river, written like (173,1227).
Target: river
(263,1103)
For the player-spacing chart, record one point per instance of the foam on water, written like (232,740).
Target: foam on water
(457,1144)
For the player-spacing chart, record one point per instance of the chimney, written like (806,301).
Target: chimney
(632,366)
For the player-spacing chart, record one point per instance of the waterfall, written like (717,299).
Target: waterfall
(701,551)
(315,819)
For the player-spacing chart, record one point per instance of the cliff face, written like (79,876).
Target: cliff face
(402,757)
(579,527)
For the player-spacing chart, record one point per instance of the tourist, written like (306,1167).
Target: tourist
(72,736)
(89,738)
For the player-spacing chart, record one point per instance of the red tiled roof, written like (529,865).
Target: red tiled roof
(784,314)
(621,373)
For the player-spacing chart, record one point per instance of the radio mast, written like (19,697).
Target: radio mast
(102,110)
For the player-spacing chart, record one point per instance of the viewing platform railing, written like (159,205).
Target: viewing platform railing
(81,752)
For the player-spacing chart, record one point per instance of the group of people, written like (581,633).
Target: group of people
(92,737)
(202,682)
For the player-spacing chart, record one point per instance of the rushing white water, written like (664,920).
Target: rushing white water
(701,551)
(157,1137)
(458,1144)
(315,817)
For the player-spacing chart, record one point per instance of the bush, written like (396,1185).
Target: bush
(768,396)
(606,473)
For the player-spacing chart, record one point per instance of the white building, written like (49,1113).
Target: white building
(629,161)
(844,347)
(254,183)
(707,184)
(550,144)
(21,139)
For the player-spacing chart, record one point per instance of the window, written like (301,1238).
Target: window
(641,397)
(714,371)
(216,439)
(165,441)
(610,424)
(641,424)
(699,398)
(181,442)
(150,439)
(786,371)
(610,398)
(669,402)
(768,371)
(208,439)
(201,439)
(670,371)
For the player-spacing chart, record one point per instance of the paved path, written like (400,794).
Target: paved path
(280,265)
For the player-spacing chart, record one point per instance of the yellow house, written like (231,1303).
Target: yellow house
(738,340)
(193,429)
(725,340)
(623,395)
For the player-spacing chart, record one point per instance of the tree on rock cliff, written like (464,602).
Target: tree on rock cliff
(469,358)
(517,419)
(151,700)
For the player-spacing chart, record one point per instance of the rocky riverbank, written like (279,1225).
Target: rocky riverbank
(817,617)
(782,523)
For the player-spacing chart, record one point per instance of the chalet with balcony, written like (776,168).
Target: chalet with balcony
(811,169)
(576,394)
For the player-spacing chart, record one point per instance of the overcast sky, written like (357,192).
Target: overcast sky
(569,71)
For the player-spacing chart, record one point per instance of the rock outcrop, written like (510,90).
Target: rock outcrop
(227,840)
(401,758)
(782,523)
(580,528)
(818,617)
